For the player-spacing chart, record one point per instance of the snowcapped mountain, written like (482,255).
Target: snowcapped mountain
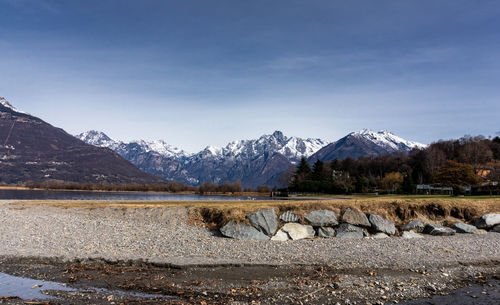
(387,139)
(98,138)
(6,104)
(292,148)
(253,162)
(364,143)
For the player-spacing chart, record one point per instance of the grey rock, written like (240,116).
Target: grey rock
(461,227)
(298,231)
(326,232)
(322,218)
(496,229)
(288,216)
(411,234)
(380,236)
(242,231)
(380,224)
(265,221)
(355,217)
(414,225)
(346,230)
(438,230)
(488,221)
(281,236)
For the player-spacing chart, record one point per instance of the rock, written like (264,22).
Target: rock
(265,221)
(380,224)
(488,221)
(326,232)
(380,236)
(346,230)
(461,227)
(322,218)
(411,234)
(496,229)
(298,231)
(438,230)
(355,217)
(280,236)
(414,225)
(288,216)
(480,231)
(242,231)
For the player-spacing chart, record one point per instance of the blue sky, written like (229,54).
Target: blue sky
(202,72)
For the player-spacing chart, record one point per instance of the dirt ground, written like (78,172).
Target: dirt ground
(101,283)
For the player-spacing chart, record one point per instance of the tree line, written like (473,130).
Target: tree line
(469,161)
(171,187)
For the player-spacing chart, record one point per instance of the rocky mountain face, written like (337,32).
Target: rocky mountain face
(33,150)
(253,162)
(364,143)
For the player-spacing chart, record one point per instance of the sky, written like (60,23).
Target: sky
(198,73)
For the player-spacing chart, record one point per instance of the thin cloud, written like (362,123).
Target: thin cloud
(32,5)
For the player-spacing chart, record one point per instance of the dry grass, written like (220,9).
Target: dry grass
(396,208)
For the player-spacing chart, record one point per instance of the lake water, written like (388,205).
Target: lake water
(117,196)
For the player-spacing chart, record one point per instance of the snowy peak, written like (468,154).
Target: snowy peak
(161,147)
(98,138)
(6,104)
(387,140)
(292,148)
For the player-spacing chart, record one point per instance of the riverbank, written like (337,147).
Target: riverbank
(101,241)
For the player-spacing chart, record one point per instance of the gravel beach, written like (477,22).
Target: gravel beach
(162,237)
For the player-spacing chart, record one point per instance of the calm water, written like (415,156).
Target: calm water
(135,196)
(31,289)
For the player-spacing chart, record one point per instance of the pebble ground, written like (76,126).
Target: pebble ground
(161,235)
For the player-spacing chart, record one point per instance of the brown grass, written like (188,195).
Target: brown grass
(399,209)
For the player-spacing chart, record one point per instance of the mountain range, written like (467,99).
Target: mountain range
(33,150)
(261,161)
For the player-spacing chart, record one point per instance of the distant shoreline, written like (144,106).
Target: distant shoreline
(236,194)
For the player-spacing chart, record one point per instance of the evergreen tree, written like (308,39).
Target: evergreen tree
(318,173)
(303,171)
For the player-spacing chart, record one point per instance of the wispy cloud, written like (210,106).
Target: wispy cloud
(32,5)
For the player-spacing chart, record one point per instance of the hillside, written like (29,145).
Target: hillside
(33,150)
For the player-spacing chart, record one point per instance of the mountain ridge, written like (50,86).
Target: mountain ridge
(32,150)
(253,162)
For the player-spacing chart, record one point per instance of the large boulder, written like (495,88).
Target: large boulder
(414,225)
(322,218)
(289,216)
(326,232)
(346,230)
(242,231)
(280,236)
(461,227)
(298,231)
(265,221)
(355,217)
(380,224)
(438,230)
(488,221)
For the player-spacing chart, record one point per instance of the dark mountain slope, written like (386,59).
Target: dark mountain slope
(33,150)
